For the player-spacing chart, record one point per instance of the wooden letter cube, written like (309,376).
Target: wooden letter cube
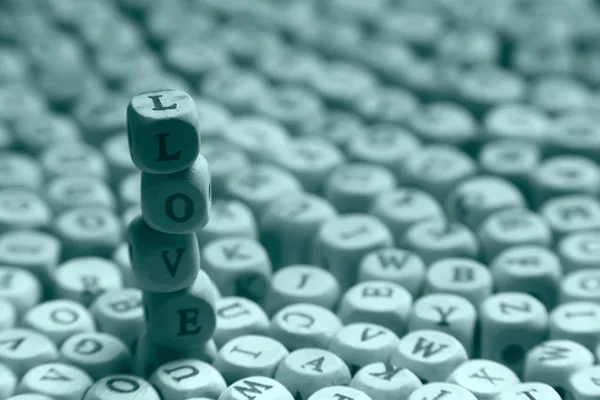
(162,127)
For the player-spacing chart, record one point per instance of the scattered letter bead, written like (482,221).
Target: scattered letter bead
(237,316)
(360,344)
(8,314)
(302,325)
(448,313)
(83,279)
(259,185)
(529,269)
(98,354)
(582,285)
(529,391)
(472,201)
(565,175)
(442,391)
(554,361)
(585,383)
(162,128)
(22,349)
(74,159)
(352,187)
(179,202)
(88,231)
(302,284)
(182,319)
(579,250)
(185,378)
(19,170)
(121,387)
(378,302)
(67,192)
(571,213)
(8,381)
(238,267)
(342,242)
(339,392)
(384,381)
(59,319)
(225,160)
(305,371)
(22,208)
(289,224)
(20,288)
(120,313)
(228,218)
(484,378)
(403,207)
(434,240)
(578,321)
(257,388)
(461,276)
(249,355)
(511,324)
(59,380)
(510,228)
(432,355)
(162,262)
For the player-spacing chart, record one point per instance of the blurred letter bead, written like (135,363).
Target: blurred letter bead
(162,128)
(162,262)
(228,218)
(178,202)
(529,269)
(511,324)
(582,285)
(484,378)
(385,381)
(289,224)
(249,355)
(305,371)
(339,392)
(59,380)
(8,381)
(121,387)
(585,383)
(342,242)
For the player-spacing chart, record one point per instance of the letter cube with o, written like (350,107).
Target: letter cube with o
(163,131)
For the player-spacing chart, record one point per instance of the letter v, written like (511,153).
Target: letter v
(172,267)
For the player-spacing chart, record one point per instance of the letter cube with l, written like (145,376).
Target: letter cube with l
(163,131)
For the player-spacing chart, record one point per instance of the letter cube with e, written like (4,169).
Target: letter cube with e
(163,131)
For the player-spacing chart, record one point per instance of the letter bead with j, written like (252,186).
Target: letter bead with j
(161,262)
(163,131)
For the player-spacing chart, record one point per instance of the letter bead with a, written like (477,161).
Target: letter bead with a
(162,129)
(57,379)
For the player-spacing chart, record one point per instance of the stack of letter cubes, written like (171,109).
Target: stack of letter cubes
(179,298)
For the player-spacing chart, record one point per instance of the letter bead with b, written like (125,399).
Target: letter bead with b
(163,131)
